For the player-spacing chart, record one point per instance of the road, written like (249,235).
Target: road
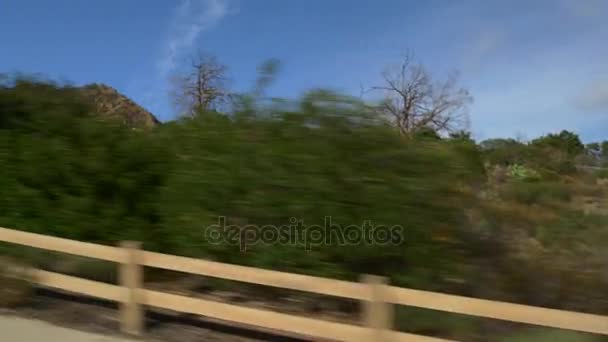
(24,330)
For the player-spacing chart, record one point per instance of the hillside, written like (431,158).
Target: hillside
(501,219)
(112,104)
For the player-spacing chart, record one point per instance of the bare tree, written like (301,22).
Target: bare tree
(416,103)
(203,87)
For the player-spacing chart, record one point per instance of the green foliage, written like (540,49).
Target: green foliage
(522,173)
(602,173)
(69,174)
(533,193)
(427,133)
(329,159)
(503,151)
(553,153)
(604,149)
(267,73)
(594,149)
(564,141)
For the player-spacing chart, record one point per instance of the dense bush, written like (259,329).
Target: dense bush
(327,159)
(71,175)
(522,173)
(602,174)
(537,192)
(67,173)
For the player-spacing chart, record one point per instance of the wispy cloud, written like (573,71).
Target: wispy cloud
(485,45)
(191,18)
(584,9)
(594,98)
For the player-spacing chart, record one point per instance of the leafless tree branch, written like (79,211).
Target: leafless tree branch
(416,102)
(203,87)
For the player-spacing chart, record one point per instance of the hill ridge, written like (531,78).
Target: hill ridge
(111,103)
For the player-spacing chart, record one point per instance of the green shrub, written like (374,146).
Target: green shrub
(65,173)
(602,173)
(522,173)
(537,193)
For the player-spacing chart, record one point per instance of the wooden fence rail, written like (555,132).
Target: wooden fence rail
(376,295)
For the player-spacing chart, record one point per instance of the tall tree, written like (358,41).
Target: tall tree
(202,87)
(244,104)
(415,102)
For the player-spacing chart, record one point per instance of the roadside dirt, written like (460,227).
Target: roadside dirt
(101,317)
(27,330)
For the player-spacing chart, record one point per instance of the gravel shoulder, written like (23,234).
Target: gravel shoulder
(49,314)
(28,330)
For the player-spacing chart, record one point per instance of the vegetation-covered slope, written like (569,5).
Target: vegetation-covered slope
(501,219)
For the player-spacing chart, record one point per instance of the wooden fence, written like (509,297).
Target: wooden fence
(376,295)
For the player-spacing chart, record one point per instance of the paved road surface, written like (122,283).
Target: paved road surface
(13,329)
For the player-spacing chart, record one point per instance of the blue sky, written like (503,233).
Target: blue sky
(533,66)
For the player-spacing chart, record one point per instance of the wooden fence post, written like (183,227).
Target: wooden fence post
(378,312)
(130,278)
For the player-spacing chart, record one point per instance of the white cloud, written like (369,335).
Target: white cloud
(191,18)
